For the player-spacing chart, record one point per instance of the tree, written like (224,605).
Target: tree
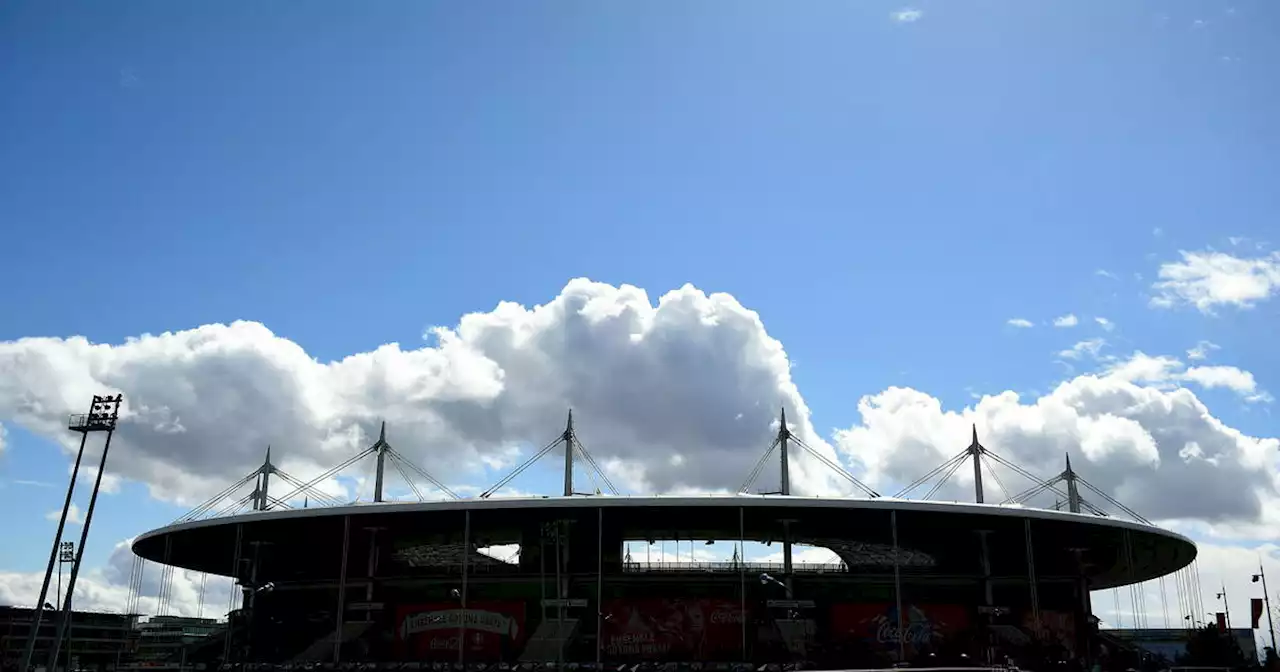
(1211,648)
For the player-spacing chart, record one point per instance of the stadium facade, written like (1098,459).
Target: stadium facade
(407,581)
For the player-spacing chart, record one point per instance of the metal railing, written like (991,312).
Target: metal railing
(807,568)
(90,422)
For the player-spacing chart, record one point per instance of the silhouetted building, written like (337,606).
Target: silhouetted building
(97,641)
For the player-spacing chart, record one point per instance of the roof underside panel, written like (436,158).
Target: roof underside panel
(933,538)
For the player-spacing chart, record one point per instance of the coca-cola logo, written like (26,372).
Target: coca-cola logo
(723,616)
(914,633)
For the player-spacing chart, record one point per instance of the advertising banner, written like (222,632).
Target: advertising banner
(1057,628)
(694,629)
(925,626)
(494,630)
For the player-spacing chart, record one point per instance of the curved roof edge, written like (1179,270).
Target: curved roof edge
(610,501)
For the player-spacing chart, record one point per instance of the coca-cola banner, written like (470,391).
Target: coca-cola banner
(694,629)
(494,630)
(923,627)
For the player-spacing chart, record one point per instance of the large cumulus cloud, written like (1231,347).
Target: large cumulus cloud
(1149,446)
(670,397)
(677,396)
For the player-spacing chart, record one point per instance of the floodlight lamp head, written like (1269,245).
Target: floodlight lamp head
(765,579)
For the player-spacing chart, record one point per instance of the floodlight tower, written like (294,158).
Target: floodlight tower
(104,411)
(101,418)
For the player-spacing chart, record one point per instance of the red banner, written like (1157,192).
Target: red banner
(494,630)
(924,625)
(1222,621)
(1255,605)
(688,629)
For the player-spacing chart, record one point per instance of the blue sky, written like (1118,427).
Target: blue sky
(886,184)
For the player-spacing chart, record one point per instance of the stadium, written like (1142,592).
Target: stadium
(408,581)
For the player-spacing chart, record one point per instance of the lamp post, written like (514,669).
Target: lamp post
(1266,601)
(66,554)
(766,579)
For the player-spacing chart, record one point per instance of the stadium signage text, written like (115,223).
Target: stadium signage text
(915,633)
(475,619)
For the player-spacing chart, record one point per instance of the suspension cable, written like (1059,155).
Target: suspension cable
(943,481)
(755,472)
(422,472)
(395,462)
(936,470)
(591,461)
(520,469)
(837,468)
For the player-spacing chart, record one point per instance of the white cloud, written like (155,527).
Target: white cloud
(1103,273)
(1229,377)
(74,517)
(1221,376)
(1020,323)
(695,378)
(110,484)
(1089,347)
(1127,438)
(1068,320)
(675,397)
(1145,369)
(907,15)
(1107,325)
(3,434)
(1166,372)
(1211,279)
(1202,350)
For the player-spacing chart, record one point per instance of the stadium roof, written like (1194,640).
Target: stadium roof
(937,529)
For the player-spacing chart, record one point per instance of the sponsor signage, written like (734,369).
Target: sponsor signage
(790,604)
(689,629)
(488,630)
(575,602)
(1058,627)
(922,625)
